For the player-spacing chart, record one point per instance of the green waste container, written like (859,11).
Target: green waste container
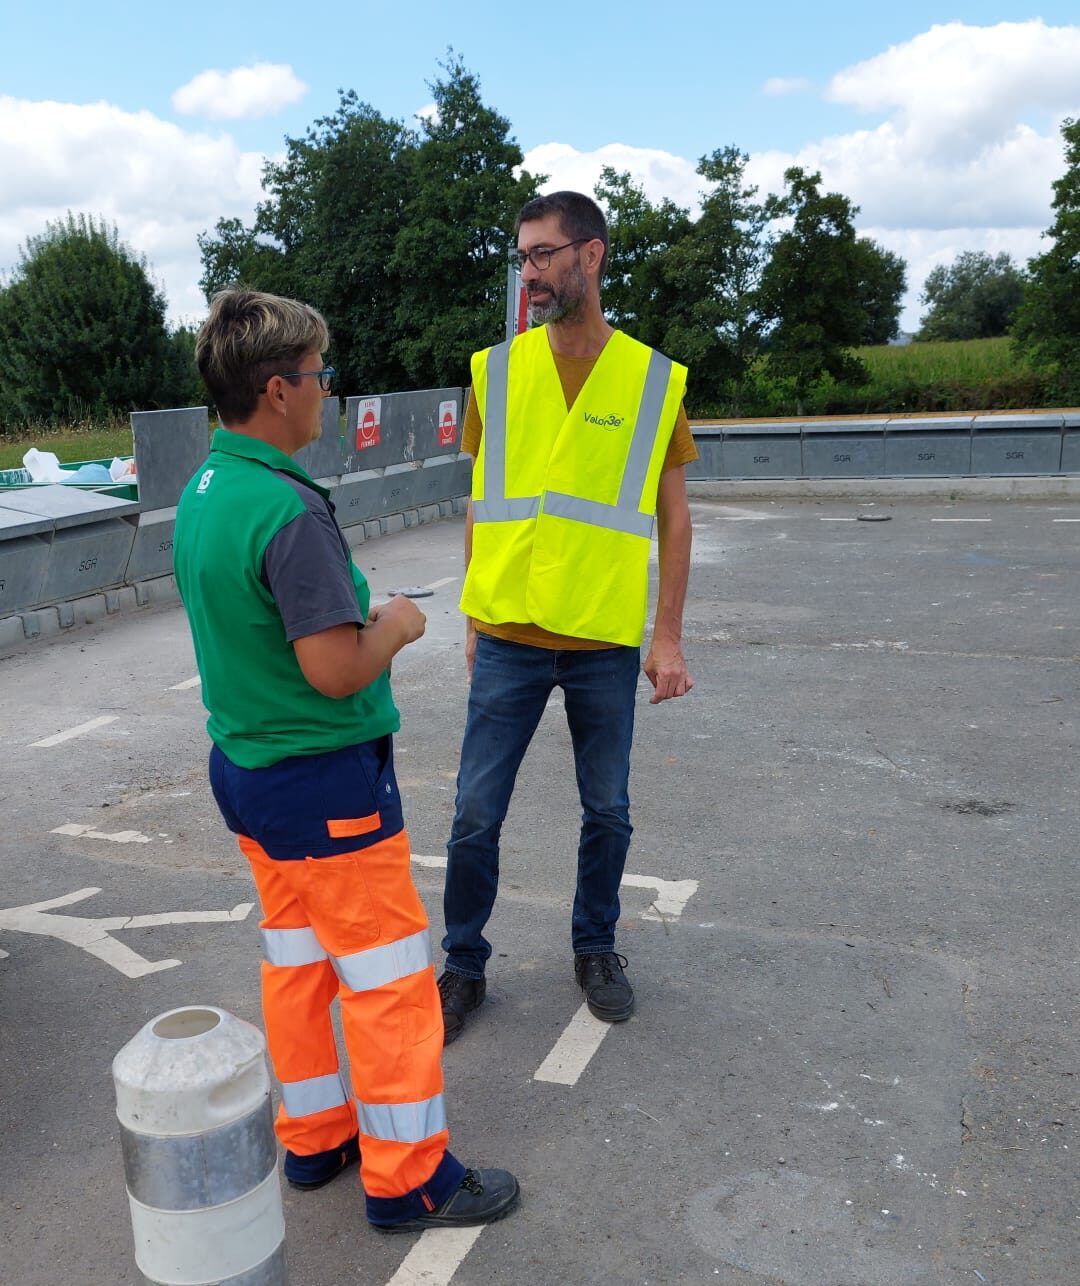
(19,479)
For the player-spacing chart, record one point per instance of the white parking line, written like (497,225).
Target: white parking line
(433,862)
(1065,520)
(77,731)
(572,1051)
(838,520)
(187,683)
(961,520)
(438,584)
(436,1257)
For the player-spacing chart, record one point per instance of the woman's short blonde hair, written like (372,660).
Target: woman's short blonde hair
(248,337)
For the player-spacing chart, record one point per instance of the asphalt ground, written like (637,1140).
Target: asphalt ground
(853,1061)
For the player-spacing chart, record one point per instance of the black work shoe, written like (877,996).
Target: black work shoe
(607,989)
(484,1196)
(310,1172)
(459,996)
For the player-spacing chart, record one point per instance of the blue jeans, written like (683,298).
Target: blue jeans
(511,684)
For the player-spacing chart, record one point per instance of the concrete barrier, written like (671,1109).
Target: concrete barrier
(58,543)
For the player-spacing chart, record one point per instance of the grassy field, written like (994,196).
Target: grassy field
(962,375)
(68,444)
(969,360)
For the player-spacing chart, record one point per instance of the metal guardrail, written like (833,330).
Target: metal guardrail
(60,542)
(1045,442)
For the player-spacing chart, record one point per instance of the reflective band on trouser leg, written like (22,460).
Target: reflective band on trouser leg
(299,985)
(366,970)
(290,947)
(316,1094)
(402,1122)
(390,1009)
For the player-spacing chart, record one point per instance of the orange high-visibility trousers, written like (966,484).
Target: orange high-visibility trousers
(353,926)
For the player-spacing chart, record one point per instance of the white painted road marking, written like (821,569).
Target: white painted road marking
(838,520)
(438,584)
(187,683)
(436,1257)
(961,520)
(77,731)
(1065,520)
(671,895)
(92,935)
(118,837)
(573,1049)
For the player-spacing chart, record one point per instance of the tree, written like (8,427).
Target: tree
(638,295)
(448,263)
(716,273)
(82,328)
(811,288)
(325,235)
(882,281)
(975,297)
(1047,326)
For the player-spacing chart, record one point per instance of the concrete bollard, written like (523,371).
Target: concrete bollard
(193,1101)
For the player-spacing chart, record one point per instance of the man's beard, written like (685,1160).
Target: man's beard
(566,299)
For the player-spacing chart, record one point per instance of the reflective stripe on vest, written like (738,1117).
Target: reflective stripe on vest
(316,1094)
(366,970)
(290,947)
(625,515)
(402,1122)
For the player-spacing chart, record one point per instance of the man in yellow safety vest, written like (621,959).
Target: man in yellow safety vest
(579,438)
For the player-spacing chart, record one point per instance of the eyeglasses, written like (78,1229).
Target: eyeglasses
(541,258)
(325,377)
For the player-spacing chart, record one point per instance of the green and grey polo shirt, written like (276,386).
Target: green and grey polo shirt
(260,561)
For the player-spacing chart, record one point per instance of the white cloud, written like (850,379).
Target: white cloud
(243,93)
(429,112)
(960,153)
(956,87)
(957,164)
(778,86)
(660,174)
(159,184)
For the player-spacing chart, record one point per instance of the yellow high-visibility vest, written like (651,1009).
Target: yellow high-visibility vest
(564,501)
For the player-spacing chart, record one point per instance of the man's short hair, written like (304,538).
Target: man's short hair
(579,217)
(249,337)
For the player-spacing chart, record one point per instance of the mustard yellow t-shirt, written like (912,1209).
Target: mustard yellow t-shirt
(573,372)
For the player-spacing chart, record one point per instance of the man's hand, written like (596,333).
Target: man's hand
(402,615)
(470,645)
(667,672)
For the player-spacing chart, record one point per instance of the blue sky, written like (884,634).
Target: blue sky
(939,121)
